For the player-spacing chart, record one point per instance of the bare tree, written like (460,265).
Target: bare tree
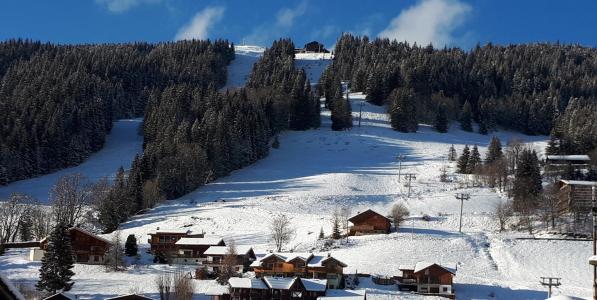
(281,231)
(548,205)
(503,213)
(151,193)
(399,213)
(345,213)
(229,264)
(183,286)
(41,221)
(114,259)
(12,212)
(70,197)
(163,284)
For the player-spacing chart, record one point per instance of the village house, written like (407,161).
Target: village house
(88,248)
(215,258)
(280,288)
(575,196)
(163,241)
(303,265)
(190,250)
(369,222)
(248,288)
(556,165)
(428,278)
(312,47)
(129,297)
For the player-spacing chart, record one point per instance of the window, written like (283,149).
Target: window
(445,289)
(95,258)
(297,294)
(270,266)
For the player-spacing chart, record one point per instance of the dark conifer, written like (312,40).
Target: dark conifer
(462,165)
(441,119)
(55,272)
(466,117)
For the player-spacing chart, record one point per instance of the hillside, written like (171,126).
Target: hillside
(315,172)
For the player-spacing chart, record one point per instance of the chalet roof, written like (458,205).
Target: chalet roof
(576,157)
(216,290)
(247,283)
(406,267)
(129,297)
(288,257)
(60,296)
(222,250)
(197,241)
(365,215)
(315,285)
(320,260)
(6,285)
(84,232)
(175,231)
(422,265)
(344,295)
(279,283)
(579,182)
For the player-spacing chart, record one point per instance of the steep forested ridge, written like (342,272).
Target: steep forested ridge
(533,88)
(58,101)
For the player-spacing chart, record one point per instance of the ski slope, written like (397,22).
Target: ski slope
(316,172)
(120,148)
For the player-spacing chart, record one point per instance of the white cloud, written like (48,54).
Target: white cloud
(198,27)
(429,21)
(118,6)
(285,19)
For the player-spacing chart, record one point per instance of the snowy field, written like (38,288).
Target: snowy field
(318,171)
(120,148)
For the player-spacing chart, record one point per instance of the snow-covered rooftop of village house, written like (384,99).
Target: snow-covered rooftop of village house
(288,256)
(569,157)
(344,295)
(216,290)
(315,285)
(247,283)
(279,283)
(223,250)
(579,182)
(318,260)
(419,266)
(406,267)
(177,231)
(207,241)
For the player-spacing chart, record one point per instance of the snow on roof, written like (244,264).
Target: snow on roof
(287,257)
(247,283)
(319,260)
(406,267)
(11,288)
(129,296)
(579,182)
(84,232)
(279,283)
(197,241)
(562,297)
(177,231)
(344,295)
(216,290)
(569,157)
(222,250)
(422,265)
(315,285)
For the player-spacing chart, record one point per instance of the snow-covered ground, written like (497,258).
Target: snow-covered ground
(318,171)
(120,148)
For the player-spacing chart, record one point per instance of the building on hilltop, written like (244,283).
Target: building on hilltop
(369,222)
(428,278)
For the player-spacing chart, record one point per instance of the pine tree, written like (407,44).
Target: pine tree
(527,182)
(55,272)
(403,111)
(130,246)
(462,164)
(341,111)
(474,161)
(494,151)
(441,119)
(321,234)
(336,228)
(452,156)
(553,146)
(466,117)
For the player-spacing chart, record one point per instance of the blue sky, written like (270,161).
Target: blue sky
(453,22)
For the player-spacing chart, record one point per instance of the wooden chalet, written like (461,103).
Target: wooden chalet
(215,258)
(428,279)
(567,160)
(8,291)
(303,265)
(575,196)
(248,288)
(190,250)
(369,222)
(88,248)
(163,241)
(60,296)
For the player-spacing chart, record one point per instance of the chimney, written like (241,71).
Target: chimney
(329,254)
